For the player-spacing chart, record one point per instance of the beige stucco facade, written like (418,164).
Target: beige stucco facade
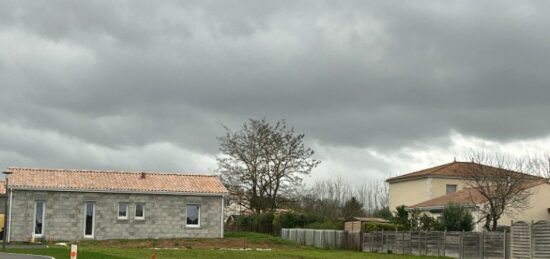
(411,192)
(539,203)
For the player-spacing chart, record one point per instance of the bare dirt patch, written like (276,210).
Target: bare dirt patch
(214,243)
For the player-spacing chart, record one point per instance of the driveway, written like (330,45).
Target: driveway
(20,256)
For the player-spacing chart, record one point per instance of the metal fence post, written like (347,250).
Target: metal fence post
(481,245)
(438,244)
(531,238)
(383,242)
(419,242)
(394,241)
(410,241)
(504,246)
(461,256)
(371,240)
(444,242)
(403,242)
(426,242)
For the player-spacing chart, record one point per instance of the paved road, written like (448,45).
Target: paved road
(16,256)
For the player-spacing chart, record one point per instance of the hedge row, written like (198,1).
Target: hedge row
(272,223)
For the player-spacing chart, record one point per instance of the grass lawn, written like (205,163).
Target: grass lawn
(228,247)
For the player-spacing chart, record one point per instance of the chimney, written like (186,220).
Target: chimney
(142,175)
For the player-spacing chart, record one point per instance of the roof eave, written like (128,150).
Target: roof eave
(118,191)
(437,207)
(394,180)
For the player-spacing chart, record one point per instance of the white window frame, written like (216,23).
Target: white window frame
(93,219)
(118,210)
(198,225)
(43,219)
(143,209)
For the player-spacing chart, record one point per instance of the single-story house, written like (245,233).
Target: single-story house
(58,204)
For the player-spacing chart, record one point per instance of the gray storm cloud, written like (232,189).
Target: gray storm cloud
(380,78)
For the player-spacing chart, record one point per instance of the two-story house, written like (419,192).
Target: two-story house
(429,190)
(426,184)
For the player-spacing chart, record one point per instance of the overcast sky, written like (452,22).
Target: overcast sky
(379,88)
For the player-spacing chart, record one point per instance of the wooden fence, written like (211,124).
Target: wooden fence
(324,238)
(530,240)
(438,243)
(525,241)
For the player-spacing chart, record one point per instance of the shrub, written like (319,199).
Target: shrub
(428,223)
(295,220)
(401,217)
(271,223)
(326,224)
(457,218)
(374,226)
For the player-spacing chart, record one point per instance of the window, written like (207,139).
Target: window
(451,188)
(122,210)
(193,215)
(140,211)
(89,219)
(39,214)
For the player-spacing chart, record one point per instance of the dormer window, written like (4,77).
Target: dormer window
(451,188)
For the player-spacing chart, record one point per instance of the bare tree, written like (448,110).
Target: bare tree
(502,184)
(541,165)
(261,161)
(328,197)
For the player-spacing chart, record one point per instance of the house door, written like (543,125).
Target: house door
(89,219)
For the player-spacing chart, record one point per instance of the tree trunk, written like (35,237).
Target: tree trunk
(495,224)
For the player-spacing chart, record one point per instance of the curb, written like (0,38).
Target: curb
(36,256)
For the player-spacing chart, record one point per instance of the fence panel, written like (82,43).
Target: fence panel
(328,238)
(353,240)
(437,243)
(525,241)
(541,239)
(494,245)
(452,244)
(310,237)
(471,245)
(520,234)
(284,233)
(434,243)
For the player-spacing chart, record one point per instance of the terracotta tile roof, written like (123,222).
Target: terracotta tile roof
(466,196)
(453,169)
(62,179)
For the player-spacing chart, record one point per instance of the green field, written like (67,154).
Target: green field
(235,245)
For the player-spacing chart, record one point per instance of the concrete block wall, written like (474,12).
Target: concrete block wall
(165,215)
